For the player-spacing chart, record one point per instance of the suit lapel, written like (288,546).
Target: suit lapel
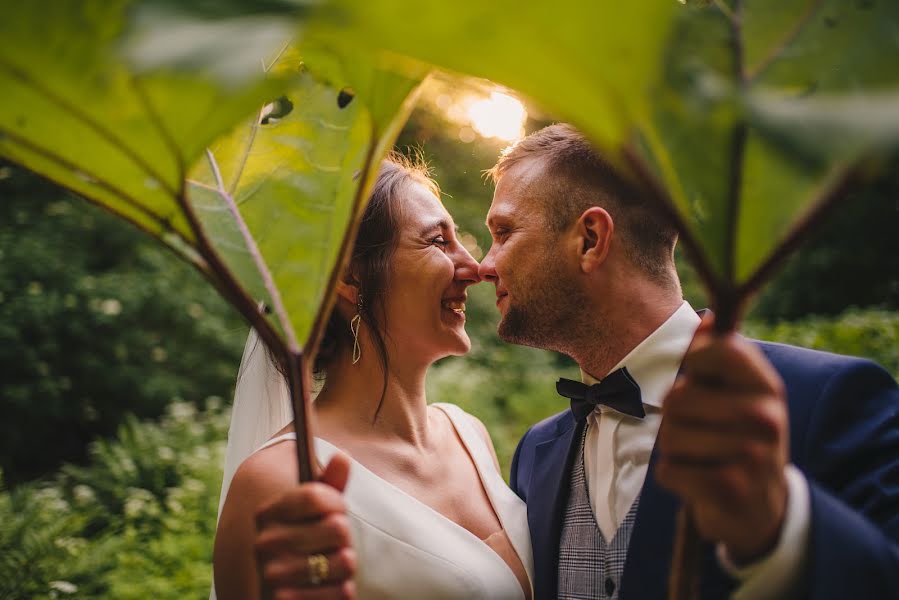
(547,496)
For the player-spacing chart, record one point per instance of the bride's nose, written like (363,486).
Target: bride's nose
(466,266)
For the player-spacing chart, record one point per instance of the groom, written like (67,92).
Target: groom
(788,457)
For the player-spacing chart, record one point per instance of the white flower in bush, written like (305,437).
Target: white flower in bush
(83,494)
(182,411)
(66,587)
(140,502)
(194,485)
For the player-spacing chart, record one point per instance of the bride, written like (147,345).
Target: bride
(426,507)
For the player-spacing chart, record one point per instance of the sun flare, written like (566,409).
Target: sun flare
(499,116)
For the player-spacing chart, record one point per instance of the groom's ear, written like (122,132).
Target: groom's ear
(593,230)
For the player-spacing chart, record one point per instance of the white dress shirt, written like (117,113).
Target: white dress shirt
(618,448)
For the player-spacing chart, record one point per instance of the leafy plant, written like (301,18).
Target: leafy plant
(96,321)
(138,520)
(267,213)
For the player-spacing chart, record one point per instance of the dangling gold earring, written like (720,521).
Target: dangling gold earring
(355,324)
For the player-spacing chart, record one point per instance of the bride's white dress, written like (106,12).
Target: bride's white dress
(408,550)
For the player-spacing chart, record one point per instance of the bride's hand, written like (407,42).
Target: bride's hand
(303,546)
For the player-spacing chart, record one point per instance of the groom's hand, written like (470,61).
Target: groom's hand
(724,443)
(307,521)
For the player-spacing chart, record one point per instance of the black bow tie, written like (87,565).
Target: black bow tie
(617,390)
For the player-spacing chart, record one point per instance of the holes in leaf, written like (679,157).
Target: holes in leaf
(345,96)
(276,110)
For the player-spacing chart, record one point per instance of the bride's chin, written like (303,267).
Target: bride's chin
(464,346)
(459,346)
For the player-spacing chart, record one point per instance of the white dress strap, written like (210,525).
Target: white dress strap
(473,439)
(290,435)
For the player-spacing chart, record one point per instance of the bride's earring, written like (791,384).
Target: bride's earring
(355,324)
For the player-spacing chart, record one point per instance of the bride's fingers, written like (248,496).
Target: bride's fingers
(294,571)
(330,533)
(337,472)
(345,591)
(303,502)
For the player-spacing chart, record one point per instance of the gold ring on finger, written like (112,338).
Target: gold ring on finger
(318,568)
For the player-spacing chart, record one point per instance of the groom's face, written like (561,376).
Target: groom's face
(526,263)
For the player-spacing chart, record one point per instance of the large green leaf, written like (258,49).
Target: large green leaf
(278,194)
(266,211)
(76,113)
(763,111)
(588,61)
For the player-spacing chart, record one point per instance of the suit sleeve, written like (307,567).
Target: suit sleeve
(851,451)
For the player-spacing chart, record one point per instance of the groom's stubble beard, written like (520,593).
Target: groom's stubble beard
(548,312)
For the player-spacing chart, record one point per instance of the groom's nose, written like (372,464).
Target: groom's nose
(487,268)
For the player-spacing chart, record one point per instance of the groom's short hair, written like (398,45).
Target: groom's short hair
(576,177)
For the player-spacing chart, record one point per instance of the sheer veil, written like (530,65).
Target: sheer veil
(261,408)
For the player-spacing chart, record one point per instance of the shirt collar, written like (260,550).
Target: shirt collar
(655,361)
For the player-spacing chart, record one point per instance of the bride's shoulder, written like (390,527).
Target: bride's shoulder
(267,471)
(264,476)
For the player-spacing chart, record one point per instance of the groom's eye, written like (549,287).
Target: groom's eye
(440,241)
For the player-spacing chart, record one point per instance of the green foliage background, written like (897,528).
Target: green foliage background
(104,336)
(96,322)
(137,523)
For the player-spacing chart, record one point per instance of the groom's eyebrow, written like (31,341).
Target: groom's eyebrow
(492,218)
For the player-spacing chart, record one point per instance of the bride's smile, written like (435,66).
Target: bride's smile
(426,285)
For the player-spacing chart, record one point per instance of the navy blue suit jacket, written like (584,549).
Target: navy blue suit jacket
(844,436)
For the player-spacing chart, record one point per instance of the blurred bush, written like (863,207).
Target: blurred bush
(137,522)
(868,333)
(95,322)
(851,260)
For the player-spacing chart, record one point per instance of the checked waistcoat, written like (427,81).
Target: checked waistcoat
(590,567)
